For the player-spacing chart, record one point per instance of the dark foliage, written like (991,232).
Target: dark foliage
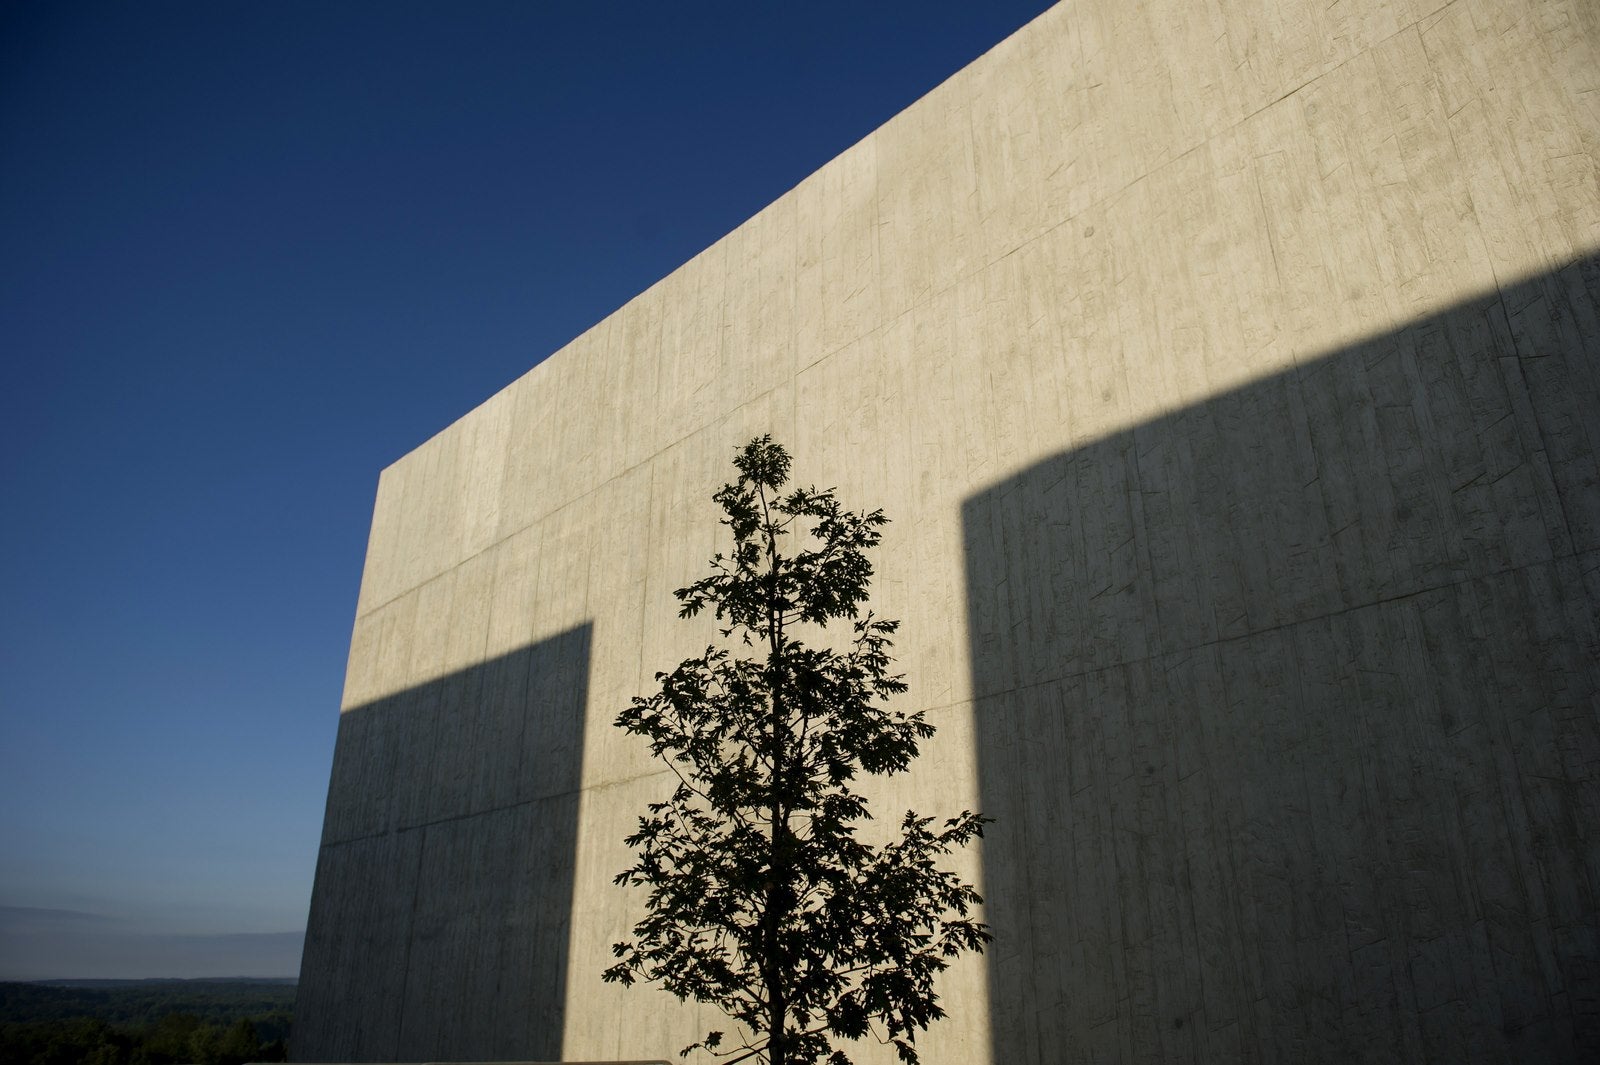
(145,1023)
(762,900)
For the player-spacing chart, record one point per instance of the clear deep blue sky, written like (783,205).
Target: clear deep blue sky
(250,254)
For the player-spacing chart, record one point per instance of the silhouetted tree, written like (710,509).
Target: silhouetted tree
(762,900)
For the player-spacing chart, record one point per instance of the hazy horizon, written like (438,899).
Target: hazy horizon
(38,945)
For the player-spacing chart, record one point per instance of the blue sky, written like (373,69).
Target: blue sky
(252,253)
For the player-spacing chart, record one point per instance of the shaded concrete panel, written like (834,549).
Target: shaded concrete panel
(1289,713)
(486,976)
(441,911)
(358,940)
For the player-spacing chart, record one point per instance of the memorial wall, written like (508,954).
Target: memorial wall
(1231,374)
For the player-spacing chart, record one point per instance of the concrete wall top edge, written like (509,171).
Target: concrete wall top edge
(715,338)
(776,204)
(537,376)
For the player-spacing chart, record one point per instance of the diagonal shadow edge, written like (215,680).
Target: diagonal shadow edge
(443,896)
(1285,705)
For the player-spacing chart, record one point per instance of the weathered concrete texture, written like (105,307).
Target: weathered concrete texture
(1306,767)
(1230,373)
(446,866)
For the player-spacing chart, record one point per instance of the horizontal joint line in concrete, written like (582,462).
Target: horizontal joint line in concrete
(931,296)
(1221,640)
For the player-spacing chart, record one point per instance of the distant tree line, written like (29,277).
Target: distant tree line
(146,1023)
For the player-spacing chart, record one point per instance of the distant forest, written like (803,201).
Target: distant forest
(145,1022)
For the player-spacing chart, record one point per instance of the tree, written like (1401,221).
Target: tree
(762,900)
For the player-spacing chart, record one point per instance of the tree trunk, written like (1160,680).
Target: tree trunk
(777,981)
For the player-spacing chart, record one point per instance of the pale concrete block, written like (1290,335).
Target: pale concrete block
(471,607)
(430,633)
(925,203)
(691,375)
(486,441)
(682,536)
(1006,117)
(620,612)
(760,348)
(575,458)
(1228,374)
(381,579)
(838,232)
(635,346)
(360,680)
(658,1025)
(683,531)
(380,541)
(1517,83)
(530,447)
(431,516)
(514,602)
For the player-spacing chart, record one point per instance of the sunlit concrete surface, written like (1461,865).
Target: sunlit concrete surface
(1229,371)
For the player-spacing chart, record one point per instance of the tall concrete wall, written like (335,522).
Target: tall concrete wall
(1231,372)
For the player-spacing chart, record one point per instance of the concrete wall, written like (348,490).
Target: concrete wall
(1231,372)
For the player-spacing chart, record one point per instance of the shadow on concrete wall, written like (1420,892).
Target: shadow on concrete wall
(1287,710)
(443,898)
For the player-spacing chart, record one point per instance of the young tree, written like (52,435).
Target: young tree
(762,900)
